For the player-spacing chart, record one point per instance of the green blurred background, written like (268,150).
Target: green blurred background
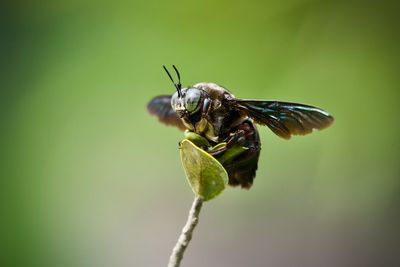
(89,178)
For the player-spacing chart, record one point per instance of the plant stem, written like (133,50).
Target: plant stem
(186,235)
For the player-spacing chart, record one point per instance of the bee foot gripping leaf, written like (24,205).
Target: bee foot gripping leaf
(205,174)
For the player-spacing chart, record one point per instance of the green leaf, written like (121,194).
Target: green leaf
(205,174)
(196,139)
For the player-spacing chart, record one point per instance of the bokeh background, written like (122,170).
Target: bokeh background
(89,178)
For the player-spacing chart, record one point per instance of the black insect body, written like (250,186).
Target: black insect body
(214,113)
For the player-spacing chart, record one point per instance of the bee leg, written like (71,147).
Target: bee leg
(236,138)
(217,152)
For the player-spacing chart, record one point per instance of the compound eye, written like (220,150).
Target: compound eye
(192,99)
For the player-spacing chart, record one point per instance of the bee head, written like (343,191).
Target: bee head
(185,101)
(188,101)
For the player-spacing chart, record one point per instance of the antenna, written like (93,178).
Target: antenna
(178,85)
(179,77)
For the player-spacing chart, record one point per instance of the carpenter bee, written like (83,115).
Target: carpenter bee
(214,113)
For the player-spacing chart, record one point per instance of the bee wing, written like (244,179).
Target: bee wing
(284,118)
(160,106)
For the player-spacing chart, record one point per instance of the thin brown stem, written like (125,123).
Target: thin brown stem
(186,235)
